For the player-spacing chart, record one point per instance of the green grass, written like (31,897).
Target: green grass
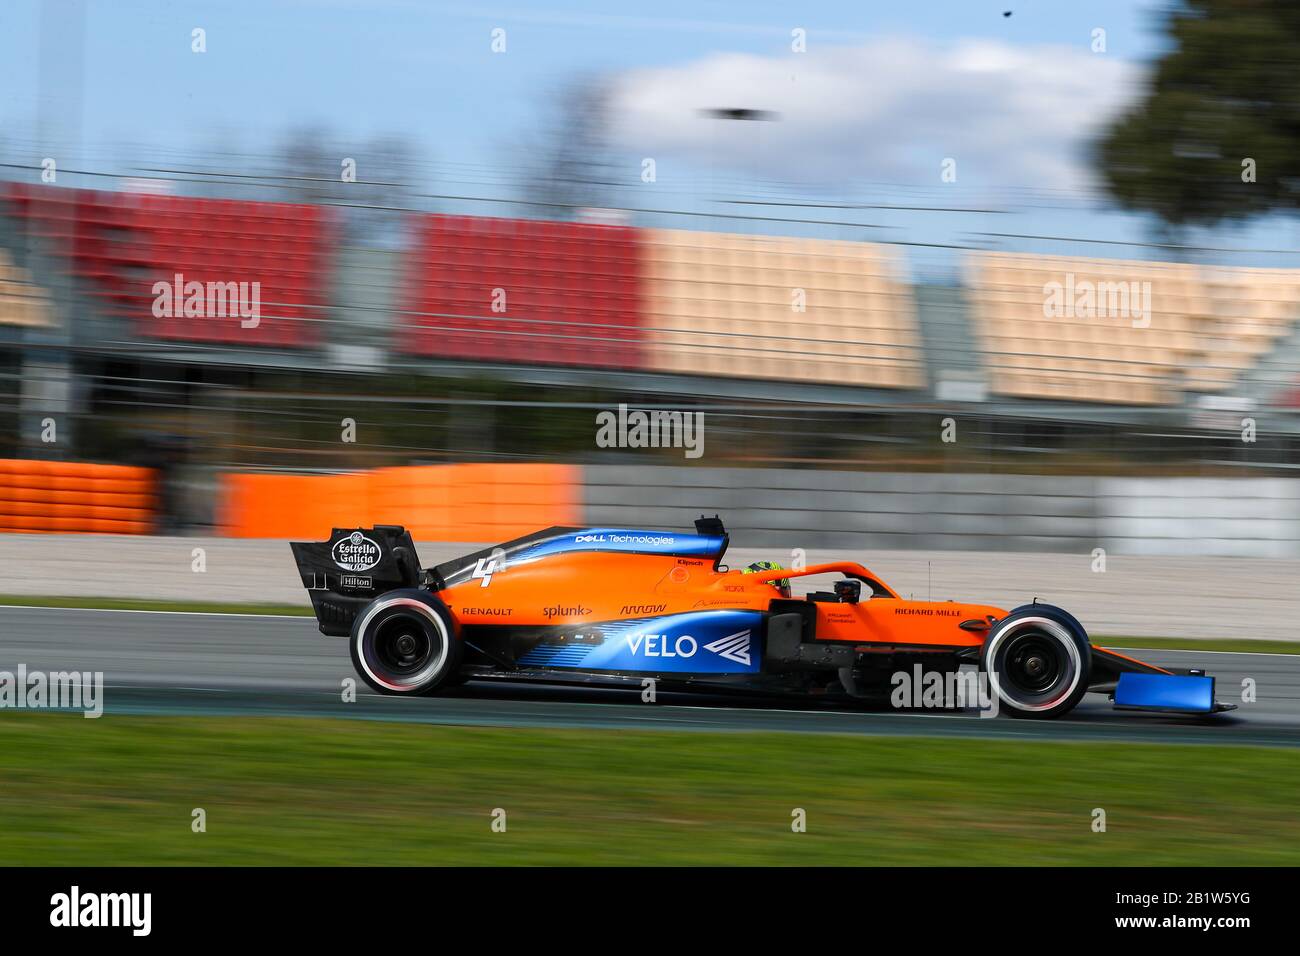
(149,604)
(1239,645)
(120,790)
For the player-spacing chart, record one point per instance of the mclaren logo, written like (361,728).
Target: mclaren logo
(734,647)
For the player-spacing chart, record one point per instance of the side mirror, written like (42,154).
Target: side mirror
(848,591)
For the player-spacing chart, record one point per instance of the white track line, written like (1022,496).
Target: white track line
(1188,650)
(128,610)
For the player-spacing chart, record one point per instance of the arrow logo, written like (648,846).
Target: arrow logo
(734,647)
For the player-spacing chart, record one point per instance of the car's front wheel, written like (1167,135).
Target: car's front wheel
(403,642)
(1038,661)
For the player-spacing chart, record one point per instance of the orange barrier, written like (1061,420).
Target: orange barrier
(470,502)
(75,496)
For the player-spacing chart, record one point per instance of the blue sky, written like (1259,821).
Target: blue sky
(872,129)
(427,67)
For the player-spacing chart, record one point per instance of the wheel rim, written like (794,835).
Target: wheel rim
(1034,664)
(402,644)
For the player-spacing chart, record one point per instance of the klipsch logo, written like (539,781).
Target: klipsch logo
(734,647)
(356,552)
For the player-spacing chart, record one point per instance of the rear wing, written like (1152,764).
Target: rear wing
(352,568)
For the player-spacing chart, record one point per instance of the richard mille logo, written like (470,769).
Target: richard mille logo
(734,647)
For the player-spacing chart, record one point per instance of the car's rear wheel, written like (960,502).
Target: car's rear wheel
(1038,661)
(403,642)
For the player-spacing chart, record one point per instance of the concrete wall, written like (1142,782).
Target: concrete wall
(1251,517)
(842,509)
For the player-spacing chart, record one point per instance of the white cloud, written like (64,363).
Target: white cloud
(887,111)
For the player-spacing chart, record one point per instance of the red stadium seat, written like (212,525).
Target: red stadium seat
(571,292)
(123,243)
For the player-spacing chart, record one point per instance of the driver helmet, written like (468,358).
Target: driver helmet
(781,584)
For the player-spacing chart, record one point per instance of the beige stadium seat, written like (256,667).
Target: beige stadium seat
(1091,352)
(1207,325)
(22,303)
(1250,310)
(724,304)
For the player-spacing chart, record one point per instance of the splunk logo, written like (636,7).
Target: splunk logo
(208,300)
(74,909)
(964,689)
(656,429)
(562,610)
(62,690)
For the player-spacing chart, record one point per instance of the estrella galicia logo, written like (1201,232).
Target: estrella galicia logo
(356,552)
(734,647)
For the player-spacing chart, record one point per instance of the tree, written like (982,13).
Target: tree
(372,180)
(571,164)
(1226,92)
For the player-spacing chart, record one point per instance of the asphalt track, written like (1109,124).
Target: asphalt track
(182,663)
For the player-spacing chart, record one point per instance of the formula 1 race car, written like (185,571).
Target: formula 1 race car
(608,605)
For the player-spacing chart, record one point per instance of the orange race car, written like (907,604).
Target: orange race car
(619,606)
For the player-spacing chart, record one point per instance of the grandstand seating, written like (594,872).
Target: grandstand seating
(568,292)
(284,246)
(1098,357)
(534,292)
(98,232)
(1251,311)
(123,243)
(720,304)
(22,303)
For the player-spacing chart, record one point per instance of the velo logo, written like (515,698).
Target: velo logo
(733,647)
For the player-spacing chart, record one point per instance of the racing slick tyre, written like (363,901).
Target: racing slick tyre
(403,642)
(1038,661)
